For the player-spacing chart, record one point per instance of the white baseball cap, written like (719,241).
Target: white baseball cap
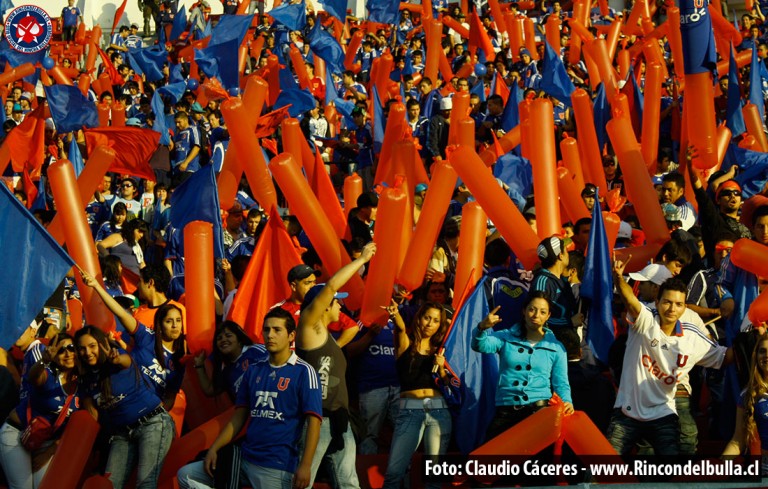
(654,273)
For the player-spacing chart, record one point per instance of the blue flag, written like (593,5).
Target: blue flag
(479,89)
(598,287)
(231,27)
(477,372)
(149,61)
(734,118)
(602,114)
(699,53)
(383,11)
(41,202)
(331,93)
(756,85)
(39,266)
(16,58)
(208,30)
(173,91)
(337,8)
(287,81)
(75,157)
(754,169)
(554,78)
(197,199)
(70,109)
(291,15)
(179,23)
(517,173)
(220,61)
(378,121)
(327,47)
(300,101)
(511,115)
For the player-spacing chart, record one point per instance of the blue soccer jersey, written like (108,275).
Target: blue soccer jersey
(164,380)
(278,398)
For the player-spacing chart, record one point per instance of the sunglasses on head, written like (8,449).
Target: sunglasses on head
(730,193)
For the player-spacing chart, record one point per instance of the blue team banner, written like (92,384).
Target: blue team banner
(699,51)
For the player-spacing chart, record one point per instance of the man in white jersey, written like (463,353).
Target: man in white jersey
(661,350)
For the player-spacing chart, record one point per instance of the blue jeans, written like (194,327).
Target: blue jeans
(434,425)
(375,406)
(193,476)
(149,443)
(343,469)
(688,430)
(663,434)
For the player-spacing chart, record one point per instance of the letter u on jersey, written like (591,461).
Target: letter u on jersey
(282,384)
(682,360)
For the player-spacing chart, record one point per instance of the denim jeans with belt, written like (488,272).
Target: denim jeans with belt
(376,405)
(147,444)
(663,434)
(418,418)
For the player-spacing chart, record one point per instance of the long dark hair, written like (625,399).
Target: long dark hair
(217,359)
(178,343)
(127,232)
(103,379)
(415,335)
(536,294)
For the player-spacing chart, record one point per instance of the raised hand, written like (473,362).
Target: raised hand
(491,320)
(368,251)
(619,266)
(113,356)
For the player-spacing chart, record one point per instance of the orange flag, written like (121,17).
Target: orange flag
(265,281)
(118,14)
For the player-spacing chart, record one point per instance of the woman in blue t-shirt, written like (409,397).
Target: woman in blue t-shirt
(157,351)
(752,411)
(233,351)
(127,407)
(52,385)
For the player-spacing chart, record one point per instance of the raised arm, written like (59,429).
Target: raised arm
(128,321)
(625,291)
(314,311)
(482,340)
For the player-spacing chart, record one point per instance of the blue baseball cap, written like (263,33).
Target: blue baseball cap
(315,290)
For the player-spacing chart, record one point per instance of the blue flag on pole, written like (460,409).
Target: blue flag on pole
(149,61)
(511,115)
(220,61)
(231,27)
(291,15)
(378,121)
(179,23)
(598,287)
(328,48)
(756,84)
(602,114)
(337,8)
(734,118)
(754,169)
(554,78)
(383,11)
(300,101)
(517,173)
(479,89)
(699,52)
(70,109)
(197,199)
(39,266)
(75,157)
(477,372)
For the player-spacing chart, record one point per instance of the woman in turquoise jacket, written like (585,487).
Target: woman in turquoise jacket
(533,363)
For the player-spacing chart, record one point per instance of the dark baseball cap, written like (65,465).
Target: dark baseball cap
(300,272)
(589,190)
(314,291)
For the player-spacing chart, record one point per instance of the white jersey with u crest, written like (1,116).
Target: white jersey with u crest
(654,363)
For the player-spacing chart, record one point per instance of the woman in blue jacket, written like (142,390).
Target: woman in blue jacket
(533,363)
